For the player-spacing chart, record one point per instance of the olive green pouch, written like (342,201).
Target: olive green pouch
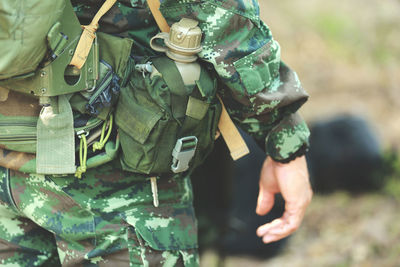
(18,136)
(155,110)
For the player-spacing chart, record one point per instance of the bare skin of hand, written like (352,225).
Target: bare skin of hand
(292,181)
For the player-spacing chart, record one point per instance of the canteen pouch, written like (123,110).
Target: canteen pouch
(151,116)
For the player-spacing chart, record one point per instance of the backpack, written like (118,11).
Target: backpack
(24,26)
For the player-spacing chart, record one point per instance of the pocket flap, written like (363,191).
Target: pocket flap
(258,70)
(136,120)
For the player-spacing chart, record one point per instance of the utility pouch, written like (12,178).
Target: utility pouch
(18,135)
(114,71)
(90,108)
(156,109)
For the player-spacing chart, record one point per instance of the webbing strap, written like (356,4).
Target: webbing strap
(55,150)
(85,42)
(173,79)
(171,75)
(231,135)
(154,6)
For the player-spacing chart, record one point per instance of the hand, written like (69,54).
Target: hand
(291,180)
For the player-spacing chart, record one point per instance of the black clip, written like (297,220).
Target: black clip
(104,91)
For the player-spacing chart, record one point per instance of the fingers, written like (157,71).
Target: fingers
(279,228)
(265,202)
(284,226)
(268,188)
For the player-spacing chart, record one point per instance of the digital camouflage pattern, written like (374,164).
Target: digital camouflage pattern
(105,219)
(258,89)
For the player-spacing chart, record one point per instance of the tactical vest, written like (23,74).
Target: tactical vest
(155,112)
(164,125)
(56,102)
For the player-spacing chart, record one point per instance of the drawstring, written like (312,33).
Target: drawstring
(82,156)
(83,146)
(100,144)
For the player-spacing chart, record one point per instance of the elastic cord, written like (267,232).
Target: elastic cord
(82,156)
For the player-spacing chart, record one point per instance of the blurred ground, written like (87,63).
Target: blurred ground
(347,55)
(338,230)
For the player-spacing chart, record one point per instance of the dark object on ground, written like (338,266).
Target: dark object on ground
(225,201)
(345,154)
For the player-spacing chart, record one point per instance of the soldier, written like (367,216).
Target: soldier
(120,213)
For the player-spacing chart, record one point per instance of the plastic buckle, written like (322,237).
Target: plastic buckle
(183,152)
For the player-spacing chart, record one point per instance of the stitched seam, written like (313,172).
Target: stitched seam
(9,193)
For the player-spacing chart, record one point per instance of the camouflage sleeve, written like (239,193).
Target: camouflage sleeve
(260,91)
(288,140)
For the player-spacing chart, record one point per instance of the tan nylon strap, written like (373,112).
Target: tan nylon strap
(85,42)
(154,6)
(236,145)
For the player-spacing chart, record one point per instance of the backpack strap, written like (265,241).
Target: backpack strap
(154,6)
(85,42)
(235,142)
(237,146)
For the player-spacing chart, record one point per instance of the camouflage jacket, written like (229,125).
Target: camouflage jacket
(260,92)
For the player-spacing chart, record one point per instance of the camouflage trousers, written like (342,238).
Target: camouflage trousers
(107,218)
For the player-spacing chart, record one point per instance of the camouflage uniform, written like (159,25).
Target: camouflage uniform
(108,217)
(105,219)
(258,89)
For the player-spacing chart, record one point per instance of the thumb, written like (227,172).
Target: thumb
(265,201)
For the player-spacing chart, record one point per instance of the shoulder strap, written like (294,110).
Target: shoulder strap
(85,42)
(173,79)
(154,6)
(234,141)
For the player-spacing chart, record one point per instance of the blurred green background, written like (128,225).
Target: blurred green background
(347,54)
